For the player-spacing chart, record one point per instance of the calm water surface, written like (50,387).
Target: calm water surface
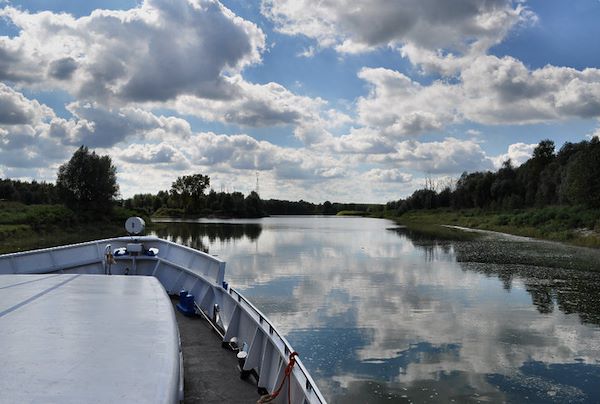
(380,314)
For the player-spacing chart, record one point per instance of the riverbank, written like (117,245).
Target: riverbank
(25,227)
(170,213)
(572,225)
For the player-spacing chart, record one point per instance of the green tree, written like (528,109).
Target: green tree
(582,183)
(328,208)
(544,152)
(505,185)
(474,190)
(238,208)
(254,205)
(226,203)
(531,170)
(189,191)
(88,182)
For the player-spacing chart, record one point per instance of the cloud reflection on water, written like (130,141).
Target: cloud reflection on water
(381,314)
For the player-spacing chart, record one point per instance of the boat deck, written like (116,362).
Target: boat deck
(72,338)
(210,372)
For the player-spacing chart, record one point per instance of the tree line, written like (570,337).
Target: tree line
(29,193)
(570,176)
(175,203)
(87,184)
(187,197)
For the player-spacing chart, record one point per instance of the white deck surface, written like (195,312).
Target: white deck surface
(87,339)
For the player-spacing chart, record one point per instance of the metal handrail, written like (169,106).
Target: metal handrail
(310,383)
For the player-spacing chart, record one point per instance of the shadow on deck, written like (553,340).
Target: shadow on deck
(210,371)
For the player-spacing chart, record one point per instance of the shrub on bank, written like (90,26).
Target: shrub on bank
(45,217)
(169,212)
(575,224)
(352,213)
(13,230)
(37,216)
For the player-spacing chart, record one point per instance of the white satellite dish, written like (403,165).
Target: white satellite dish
(135,225)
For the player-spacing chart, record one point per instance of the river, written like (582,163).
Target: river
(382,314)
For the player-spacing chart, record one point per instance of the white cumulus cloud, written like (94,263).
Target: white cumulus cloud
(517,153)
(358,26)
(153,52)
(490,91)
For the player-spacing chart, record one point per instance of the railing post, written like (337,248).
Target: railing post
(221,274)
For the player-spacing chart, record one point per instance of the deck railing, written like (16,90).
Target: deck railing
(179,267)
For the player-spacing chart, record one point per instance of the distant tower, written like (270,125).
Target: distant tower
(257,186)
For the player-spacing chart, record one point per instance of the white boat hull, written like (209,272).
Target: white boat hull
(178,267)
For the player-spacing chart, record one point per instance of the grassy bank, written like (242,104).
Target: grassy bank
(171,213)
(574,225)
(437,231)
(25,227)
(352,213)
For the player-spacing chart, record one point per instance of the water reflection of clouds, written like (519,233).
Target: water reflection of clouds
(370,305)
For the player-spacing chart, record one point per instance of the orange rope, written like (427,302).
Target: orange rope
(110,259)
(288,371)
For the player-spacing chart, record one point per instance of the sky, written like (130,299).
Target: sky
(347,101)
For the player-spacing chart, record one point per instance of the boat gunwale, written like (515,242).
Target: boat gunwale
(284,347)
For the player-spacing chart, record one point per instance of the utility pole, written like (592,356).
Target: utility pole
(257,186)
